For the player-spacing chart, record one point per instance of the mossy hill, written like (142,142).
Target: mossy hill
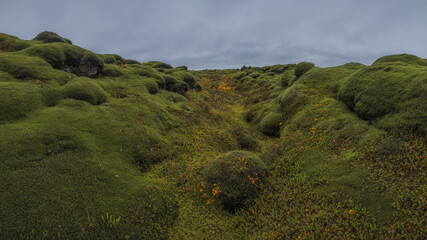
(96,146)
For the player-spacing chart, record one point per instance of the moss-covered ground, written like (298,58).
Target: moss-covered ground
(99,147)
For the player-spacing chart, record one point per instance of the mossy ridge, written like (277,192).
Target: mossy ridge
(9,43)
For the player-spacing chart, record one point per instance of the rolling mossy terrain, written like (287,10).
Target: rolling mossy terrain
(95,146)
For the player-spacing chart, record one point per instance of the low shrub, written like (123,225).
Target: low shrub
(302,68)
(234,178)
(85,89)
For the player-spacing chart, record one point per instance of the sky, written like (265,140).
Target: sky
(208,34)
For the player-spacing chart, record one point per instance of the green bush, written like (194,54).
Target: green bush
(149,72)
(85,89)
(50,37)
(234,178)
(270,124)
(302,68)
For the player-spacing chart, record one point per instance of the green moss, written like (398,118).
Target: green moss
(271,123)
(151,86)
(182,68)
(293,99)
(189,79)
(131,61)
(111,71)
(391,93)
(10,43)
(113,59)
(50,37)
(160,65)
(17,100)
(302,68)
(237,175)
(245,140)
(405,58)
(69,58)
(85,89)
(31,68)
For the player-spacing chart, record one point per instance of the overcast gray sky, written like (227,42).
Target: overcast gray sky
(228,33)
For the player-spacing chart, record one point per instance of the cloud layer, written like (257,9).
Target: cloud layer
(228,34)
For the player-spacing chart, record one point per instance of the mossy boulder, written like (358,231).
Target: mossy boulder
(234,178)
(293,99)
(51,37)
(270,124)
(17,100)
(85,89)
(149,72)
(69,58)
(302,68)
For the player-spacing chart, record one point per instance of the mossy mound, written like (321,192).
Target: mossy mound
(131,61)
(50,37)
(392,95)
(159,65)
(293,99)
(69,58)
(188,78)
(149,72)
(85,89)
(302,68)
(182,68)
(151,86)
(270,124)
(111,71)
(406,58)
(31,68)
(234,178)
(113,59)
(17,100)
